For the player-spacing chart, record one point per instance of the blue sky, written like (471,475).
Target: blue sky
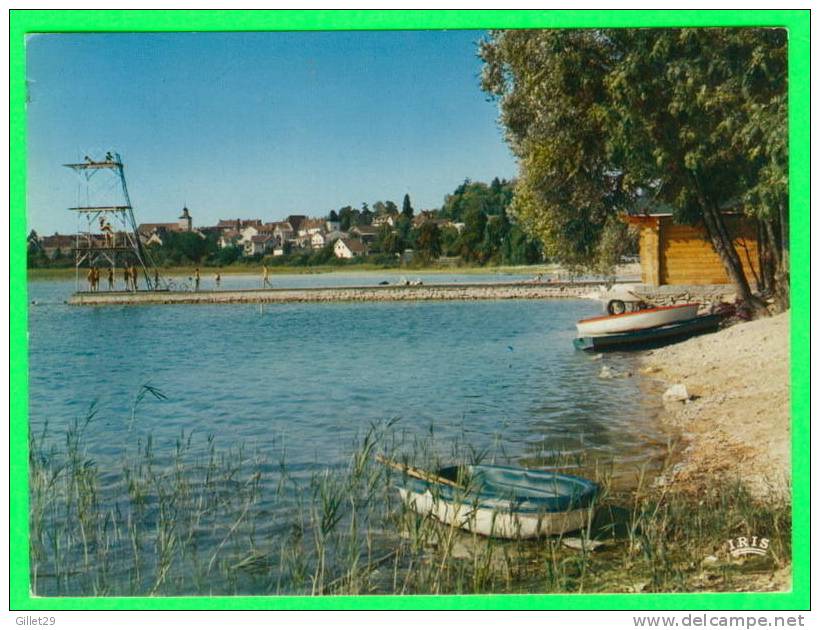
(259,125)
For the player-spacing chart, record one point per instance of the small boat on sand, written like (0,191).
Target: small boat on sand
(636,320)
(499,501)
(648,337)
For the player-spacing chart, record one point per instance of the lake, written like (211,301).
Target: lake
(299,384)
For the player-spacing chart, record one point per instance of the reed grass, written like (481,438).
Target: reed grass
(191,517)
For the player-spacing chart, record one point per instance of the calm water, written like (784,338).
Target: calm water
(315,374)
(309,378)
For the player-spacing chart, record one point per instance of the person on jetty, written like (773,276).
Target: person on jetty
(196,279)
(90,277)
(156,279)
(126,277)
(134,277)
(217,279)
(265,277)
(111,278)
(107,232)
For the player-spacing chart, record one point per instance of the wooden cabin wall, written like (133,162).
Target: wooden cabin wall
(649,252)
(687,257)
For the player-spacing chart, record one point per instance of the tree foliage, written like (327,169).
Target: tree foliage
(490,200)
(428,241)
(694,118)
(184,248)
(407,207)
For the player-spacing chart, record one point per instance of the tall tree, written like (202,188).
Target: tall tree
(693,117)
(407,207)
(429,240)
(33,240)
(472,237)
(366,215)
(348,217)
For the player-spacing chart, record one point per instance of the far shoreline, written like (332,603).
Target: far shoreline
(627,272)
(52,273)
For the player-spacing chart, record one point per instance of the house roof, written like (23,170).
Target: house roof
(57,240)
(313,224)
(236,224)
(296,220)
(423,217)
(365,229)
(354,245)
(261,238)
(148,228)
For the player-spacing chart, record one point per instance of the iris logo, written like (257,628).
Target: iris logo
(748,546)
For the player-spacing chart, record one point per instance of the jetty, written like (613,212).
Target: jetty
(379,293)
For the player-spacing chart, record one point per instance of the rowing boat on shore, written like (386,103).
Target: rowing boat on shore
(636,320)
(649,337)
(499,501)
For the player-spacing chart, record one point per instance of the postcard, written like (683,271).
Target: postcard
(410,311)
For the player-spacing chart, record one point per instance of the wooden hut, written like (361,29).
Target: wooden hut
(672,253)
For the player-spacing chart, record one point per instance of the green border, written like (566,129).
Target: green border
(797,21)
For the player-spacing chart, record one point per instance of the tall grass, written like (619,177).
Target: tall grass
(190,517)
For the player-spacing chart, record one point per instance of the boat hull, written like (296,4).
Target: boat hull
(650,337)
(503,501)
(636,320)
(498,523)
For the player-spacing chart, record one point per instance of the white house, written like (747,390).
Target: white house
(318,240)
(283,231)
(385,219)
(310,227)
(248,232)
(348,248)
(259,244)
(229,238)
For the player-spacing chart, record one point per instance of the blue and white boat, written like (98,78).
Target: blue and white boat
(650,337)
(500,501)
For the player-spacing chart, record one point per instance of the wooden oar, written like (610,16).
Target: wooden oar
(410,471)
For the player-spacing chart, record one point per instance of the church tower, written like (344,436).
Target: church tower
(185,221)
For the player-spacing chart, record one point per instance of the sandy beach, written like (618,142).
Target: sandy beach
(736,422)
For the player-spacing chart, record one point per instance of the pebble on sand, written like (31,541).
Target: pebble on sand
(676,393)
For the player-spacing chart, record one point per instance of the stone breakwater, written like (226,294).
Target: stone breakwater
(390,293)
(683,293)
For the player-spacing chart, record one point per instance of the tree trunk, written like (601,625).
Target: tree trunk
(766,257)
(780,279)
(725,249)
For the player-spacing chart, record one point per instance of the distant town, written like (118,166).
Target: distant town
(471,226)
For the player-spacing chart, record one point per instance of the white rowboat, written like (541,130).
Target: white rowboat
(503,521)
(636,320)
(500,501)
